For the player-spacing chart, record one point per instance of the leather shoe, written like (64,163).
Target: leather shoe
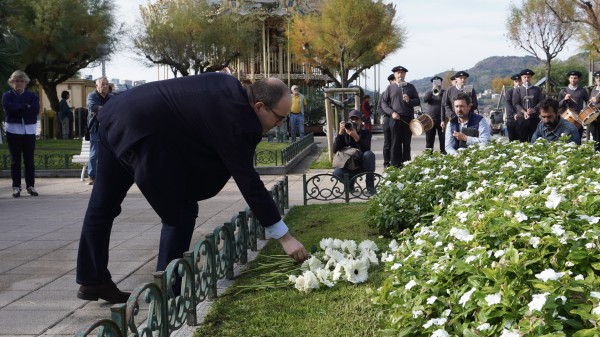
(107,291)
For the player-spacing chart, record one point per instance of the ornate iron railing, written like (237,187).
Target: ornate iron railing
(45,161)
(158,308)
(294,149)
(327,187)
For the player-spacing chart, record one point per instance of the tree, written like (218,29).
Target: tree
(534,28)
(347,35)
(191,36)
(499,82)
(585,14)
(60,38)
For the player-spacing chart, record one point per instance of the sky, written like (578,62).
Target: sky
(442,35)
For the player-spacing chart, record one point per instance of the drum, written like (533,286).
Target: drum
(589,114)
(420,125)
(572,117)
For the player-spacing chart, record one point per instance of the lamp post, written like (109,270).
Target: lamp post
(103,50)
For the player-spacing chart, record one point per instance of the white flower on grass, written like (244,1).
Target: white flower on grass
(558,230)
(400,186)
(349,246)
(538,301)
(522,194)
(300,284)
(310,281)
(534,241)
(466,296)
(520,216)
(549,274)
(431,299)
(337,244)
(325,276)
(554,199)
(462,216)
(326,243)
(410,284)
(510,333)
(292,278)
(334,255)
(369,255)
(357,271)
(470,258)
(337,271)
(368,245)
(435,321)
(394,245)
(483,327)
(493,298)
(461,234)
(440,333)
(312,264)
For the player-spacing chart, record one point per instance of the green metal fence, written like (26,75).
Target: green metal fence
(327,187)
(155,309)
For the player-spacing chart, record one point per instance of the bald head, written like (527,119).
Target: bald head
(269,91)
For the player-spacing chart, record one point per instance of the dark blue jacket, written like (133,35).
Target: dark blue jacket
(16,108)
(188,136)
(473,122)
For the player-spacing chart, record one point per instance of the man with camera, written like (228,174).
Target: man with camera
(433,98)
(466,128)
(353,135)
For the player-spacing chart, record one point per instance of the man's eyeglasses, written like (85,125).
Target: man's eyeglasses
(278,116)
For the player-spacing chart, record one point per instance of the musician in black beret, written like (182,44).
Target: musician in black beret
(458,87)
(594,127)
(385,123)
(526,100)
(433,98)
(399,103)
(573,97)
(512,123)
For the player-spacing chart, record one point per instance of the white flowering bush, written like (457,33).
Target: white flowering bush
(512,253)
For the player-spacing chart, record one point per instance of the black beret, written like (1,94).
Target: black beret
(596,74)
(461,74)
(526,72)
(399,68)
(516,77)
(391,77)
(436,78)
(574,73)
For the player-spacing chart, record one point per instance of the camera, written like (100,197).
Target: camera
(349,125)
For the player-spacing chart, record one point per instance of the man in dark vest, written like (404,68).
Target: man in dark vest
(466,128)
(179,141)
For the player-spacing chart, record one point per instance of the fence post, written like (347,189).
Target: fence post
(347,187)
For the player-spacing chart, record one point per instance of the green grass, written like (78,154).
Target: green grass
(50,146)
(343,310)
(323,161)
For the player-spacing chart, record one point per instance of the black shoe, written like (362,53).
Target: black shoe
(31,191)
(16,192)
(370,191)
(107,291)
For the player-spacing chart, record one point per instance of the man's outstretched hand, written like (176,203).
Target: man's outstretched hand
(293,248)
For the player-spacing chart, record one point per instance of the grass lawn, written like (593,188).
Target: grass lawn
(50,146)
(323,161)
(343,310)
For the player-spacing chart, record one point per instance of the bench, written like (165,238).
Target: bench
(83,157)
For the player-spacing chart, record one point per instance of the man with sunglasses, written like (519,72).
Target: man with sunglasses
(179,141)
(353,134)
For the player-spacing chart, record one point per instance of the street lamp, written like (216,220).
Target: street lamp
(103,50)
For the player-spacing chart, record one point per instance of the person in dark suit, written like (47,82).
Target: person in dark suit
(526,100)
(180,141)
(433,98)
(385,125)
(460,85)
(513,124)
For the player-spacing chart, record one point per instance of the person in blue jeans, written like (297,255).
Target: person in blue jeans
(95,102)
(299,103)
(358,137)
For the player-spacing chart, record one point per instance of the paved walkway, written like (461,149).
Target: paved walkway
(39,238)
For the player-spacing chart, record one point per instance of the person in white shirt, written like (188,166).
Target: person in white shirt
(466,128)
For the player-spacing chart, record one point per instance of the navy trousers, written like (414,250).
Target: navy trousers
(113,180)
(21,145)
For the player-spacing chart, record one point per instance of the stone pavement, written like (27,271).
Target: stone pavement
(39,238)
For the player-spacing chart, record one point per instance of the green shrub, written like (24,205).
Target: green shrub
(513,253)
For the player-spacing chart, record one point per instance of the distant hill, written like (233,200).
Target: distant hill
(482,73)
